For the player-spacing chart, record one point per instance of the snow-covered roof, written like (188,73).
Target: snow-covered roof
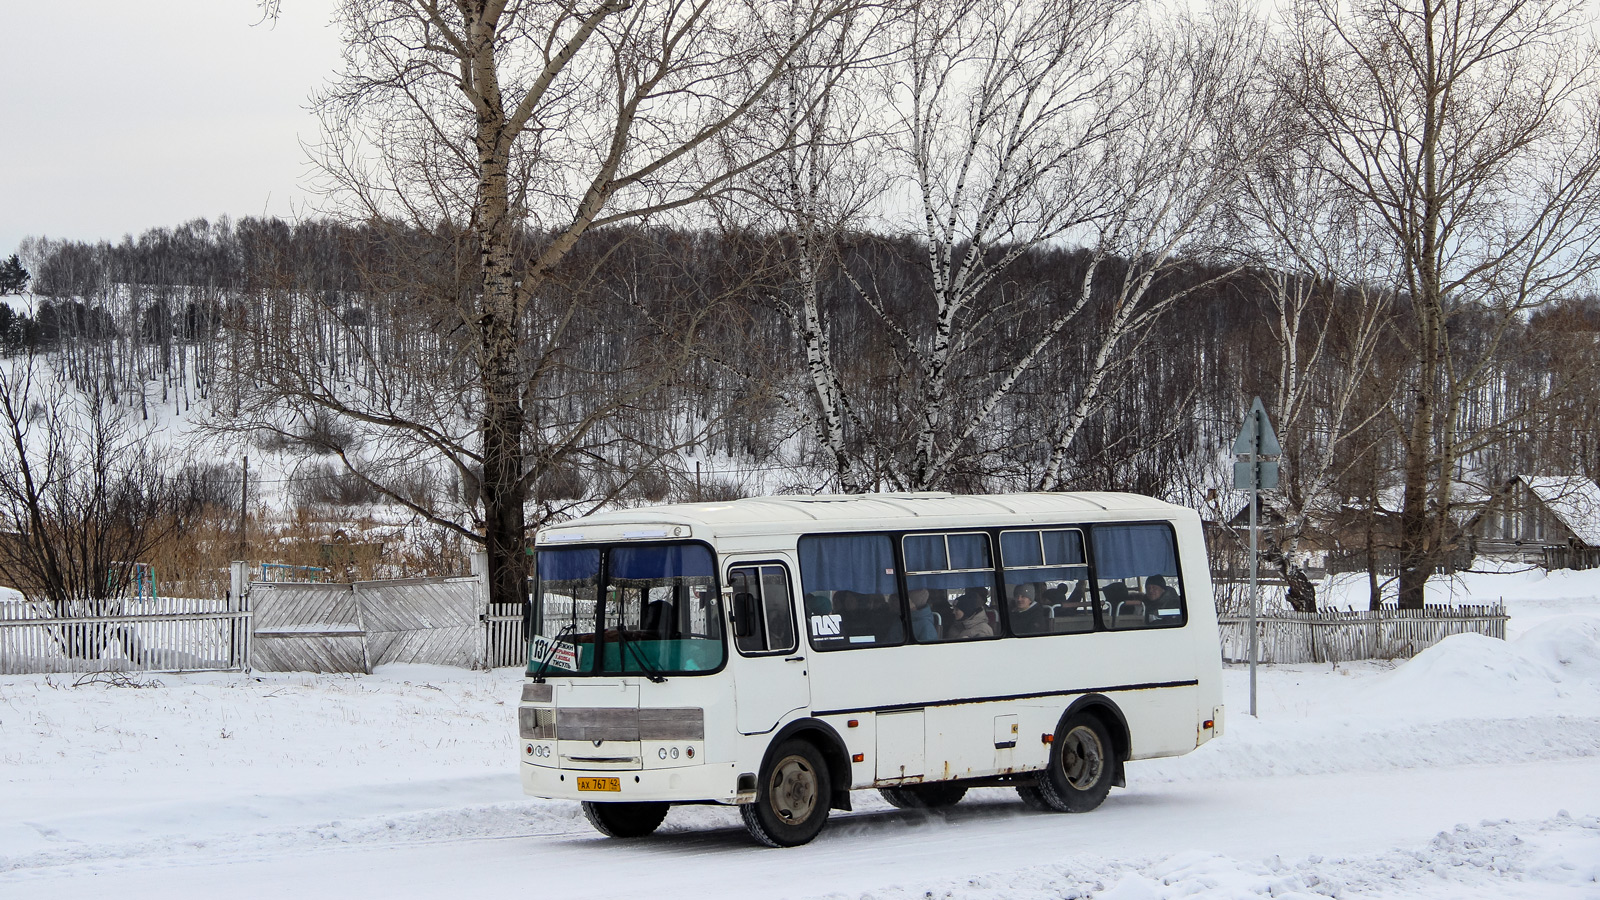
(1572,498)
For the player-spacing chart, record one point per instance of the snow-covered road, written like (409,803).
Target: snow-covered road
(1472,771)
(989,846)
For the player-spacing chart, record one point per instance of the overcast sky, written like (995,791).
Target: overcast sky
(117,116)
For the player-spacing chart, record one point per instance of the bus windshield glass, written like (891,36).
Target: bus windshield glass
(638,609)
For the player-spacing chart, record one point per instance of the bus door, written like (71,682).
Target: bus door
(770,674)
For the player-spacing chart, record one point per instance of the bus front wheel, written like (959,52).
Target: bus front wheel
(792,803)
(624,820)
(1081,768)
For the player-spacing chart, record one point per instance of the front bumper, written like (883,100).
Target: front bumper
(710,781)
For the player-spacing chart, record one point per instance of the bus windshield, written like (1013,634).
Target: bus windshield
(634,609)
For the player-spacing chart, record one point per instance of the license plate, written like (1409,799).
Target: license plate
(599,784)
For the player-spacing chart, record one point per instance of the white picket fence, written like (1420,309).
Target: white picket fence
(166,634)
(185,634)
(503,641)
(1341,635)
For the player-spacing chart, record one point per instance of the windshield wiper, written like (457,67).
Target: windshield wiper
(538,675)
(650,671)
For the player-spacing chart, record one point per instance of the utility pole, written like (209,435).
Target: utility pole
(1255,470)
(244,498)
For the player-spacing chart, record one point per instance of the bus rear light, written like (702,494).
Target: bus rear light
(859,757)
(690,752)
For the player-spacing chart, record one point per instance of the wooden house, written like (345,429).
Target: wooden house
(1533,512)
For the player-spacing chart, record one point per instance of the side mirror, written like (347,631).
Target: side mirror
(744,614)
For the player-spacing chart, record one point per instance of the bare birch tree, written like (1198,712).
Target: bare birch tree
(1193,120)
(814,193)
(1002,111)
(515,128)
(1009,128)
(1466,133)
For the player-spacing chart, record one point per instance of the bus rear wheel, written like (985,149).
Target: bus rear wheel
(935,795)
(624,820)
(792,803)
(1081,768)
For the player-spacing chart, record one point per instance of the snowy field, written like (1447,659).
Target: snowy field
(1472,771)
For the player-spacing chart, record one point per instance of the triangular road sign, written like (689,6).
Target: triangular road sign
(1247,442)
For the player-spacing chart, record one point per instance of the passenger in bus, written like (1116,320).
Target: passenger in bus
(971,618)
(924,623)
(1027,617)
(852,619)
(1079,595)
(1159,597)
(883,612)
(1122,608)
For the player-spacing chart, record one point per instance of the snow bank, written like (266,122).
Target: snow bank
(1473,675)
(1490,860)
(1465,701)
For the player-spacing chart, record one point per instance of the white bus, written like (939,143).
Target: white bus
(778,653)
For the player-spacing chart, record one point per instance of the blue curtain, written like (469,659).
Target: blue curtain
(1128,551)
(662,561)
(970,551)
(568,565)
(848,562)
(925,553)
(1063,548)
(1020,548)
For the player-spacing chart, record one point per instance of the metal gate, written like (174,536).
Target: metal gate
(303,627)
(308,628)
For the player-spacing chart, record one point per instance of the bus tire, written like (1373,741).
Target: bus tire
(1082,766)
(1032,799)
(624,820)
(792,801)
(934,795)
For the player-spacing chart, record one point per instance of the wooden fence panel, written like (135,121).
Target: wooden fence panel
(503,641)
(147,635)
(1335,635)
(423,620)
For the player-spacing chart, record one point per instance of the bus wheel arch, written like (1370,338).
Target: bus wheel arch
(1110,715)
(828,743)
(1086,755)
(793,795)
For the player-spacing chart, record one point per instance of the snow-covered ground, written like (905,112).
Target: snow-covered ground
(1471,771)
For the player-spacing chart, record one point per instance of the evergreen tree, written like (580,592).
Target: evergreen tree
(13,277)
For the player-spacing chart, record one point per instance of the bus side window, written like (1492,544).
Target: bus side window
(762,607)
(1049,569)
(778,607)
(950,577)
(1137,571)
(852,595)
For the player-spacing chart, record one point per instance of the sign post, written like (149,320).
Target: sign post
(1256,452)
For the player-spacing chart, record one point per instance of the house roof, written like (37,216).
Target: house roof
(1572,498)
